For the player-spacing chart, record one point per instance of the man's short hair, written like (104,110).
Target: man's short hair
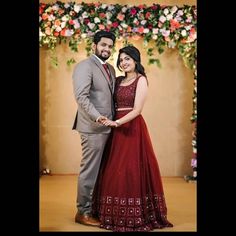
(104,34)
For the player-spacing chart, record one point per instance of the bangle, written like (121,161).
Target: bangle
(118,122)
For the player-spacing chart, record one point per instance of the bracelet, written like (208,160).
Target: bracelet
(118,123)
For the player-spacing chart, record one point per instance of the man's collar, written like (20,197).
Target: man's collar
(102,62)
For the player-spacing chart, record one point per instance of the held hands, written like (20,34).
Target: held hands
(101,119)
(110,123)
(107,122)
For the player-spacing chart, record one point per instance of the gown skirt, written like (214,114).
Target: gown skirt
(128,194)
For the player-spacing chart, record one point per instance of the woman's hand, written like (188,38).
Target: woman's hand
(109,123)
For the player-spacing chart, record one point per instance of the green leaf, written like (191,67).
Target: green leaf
(150,51)
(54,61)
(154,61)
(160,50)
(70,61)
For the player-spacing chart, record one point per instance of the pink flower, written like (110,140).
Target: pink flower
(48,31)
(71,22)
(120,16)
(147,15)
(86,21)
(102,15)
(141,29)
(45,16)
(154,7)
(56,34)
(63,32)
(133,11)
(101,27)
(115,24)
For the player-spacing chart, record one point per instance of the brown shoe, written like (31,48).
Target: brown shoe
(86,220)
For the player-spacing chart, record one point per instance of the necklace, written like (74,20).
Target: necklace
(126,80)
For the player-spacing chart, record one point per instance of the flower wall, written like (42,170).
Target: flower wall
(160,27)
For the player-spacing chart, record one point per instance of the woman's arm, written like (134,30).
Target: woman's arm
(140,98)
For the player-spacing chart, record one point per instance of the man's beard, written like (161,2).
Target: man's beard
(100,55)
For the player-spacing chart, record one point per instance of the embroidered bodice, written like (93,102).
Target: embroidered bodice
(125,94)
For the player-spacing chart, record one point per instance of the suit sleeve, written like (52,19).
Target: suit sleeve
(82,79)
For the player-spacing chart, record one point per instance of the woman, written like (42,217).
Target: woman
(129,195)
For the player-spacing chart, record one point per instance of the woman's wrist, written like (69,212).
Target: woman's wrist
(118,123)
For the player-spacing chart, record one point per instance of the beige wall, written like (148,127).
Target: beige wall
(167,110)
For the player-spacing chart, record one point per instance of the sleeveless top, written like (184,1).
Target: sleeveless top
(125,94)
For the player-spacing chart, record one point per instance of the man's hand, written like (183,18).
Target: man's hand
(101,119)
(110,123)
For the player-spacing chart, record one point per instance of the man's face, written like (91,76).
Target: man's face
(103,48)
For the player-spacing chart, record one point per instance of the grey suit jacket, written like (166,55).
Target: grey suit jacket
(93,92)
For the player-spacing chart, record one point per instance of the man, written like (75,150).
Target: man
(93,89)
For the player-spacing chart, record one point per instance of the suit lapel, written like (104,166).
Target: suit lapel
(105,76)
(112,82)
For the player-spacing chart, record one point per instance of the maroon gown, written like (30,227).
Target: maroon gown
(128,194)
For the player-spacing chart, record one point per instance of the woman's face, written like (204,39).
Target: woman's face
(127,63)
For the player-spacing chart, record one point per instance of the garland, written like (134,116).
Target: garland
(163,26)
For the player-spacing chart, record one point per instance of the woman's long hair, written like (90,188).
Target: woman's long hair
(134,53)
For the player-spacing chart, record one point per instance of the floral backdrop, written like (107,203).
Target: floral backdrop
(160,26)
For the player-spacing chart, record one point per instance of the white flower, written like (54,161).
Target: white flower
(178,18)
(166,11)
(66,5)
(124,9)
(165,32)
(180,13)
(135,20)
(76,24)
(68,32)
(91,25)
(55,7)
(65,18)
(110,7)
(189,19)
(176,36)
(58,29)
(108,15)
(40,18)
(169,16)
(49,9)
(188,27)
(146,30)
(63,24)
(84,35)
(154,37)
(155,30)
(109,22)
(143,22)
(124,25)
(183,33)
(174,9)
(85,14)
(104,6)
(51,17)
(162,19)
(96,20)
(41,34)
(77,8)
